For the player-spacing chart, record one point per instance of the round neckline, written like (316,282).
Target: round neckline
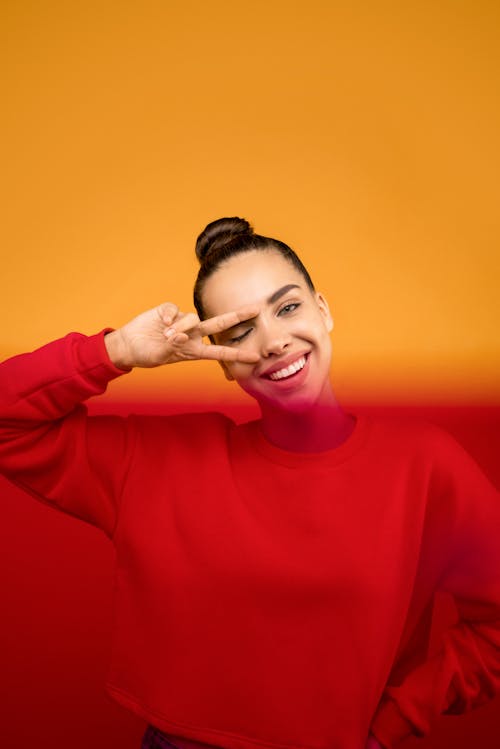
(291,458)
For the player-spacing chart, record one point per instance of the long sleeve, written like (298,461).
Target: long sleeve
(463,537)
(49,446)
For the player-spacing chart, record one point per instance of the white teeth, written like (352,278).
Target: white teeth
(287,371)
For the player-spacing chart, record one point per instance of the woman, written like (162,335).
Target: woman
(275,579)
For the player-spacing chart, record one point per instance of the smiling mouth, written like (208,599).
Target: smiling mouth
(290,371)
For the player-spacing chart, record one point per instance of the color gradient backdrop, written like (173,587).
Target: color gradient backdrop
(363,134)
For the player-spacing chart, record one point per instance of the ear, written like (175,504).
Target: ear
(325,310)
(225,369)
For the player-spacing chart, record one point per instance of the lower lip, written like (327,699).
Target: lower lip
(294,380)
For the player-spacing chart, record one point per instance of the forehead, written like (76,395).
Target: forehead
(248,278)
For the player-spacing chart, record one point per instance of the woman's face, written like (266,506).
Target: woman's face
(290,333)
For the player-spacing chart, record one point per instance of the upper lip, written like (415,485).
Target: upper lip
(283,363)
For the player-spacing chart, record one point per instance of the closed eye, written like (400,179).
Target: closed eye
(239,338)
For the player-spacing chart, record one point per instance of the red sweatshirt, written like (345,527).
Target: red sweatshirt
(266,598)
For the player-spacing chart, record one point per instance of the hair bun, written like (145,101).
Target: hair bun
(219,233)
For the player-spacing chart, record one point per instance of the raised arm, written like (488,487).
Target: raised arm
(50,446)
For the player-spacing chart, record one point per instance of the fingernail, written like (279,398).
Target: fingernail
(169,333)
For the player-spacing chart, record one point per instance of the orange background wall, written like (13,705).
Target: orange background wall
(363,134)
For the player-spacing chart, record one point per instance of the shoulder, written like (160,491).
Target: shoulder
(423,444)
(453,482)
(415,433)
(401,435)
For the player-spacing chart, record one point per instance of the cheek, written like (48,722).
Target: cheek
(237,371)
(314,329)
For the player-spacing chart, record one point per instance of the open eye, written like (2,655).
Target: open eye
(289,308)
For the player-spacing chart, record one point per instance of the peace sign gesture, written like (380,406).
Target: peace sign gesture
(165,335)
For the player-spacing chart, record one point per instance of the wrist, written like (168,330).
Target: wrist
(117,350)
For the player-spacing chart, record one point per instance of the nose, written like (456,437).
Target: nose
(274,339)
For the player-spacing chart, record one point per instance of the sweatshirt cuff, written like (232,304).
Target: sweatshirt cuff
(118,370)
(389,726)
(91,354)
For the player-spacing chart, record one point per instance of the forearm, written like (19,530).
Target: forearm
(463,675)
(45,385)
(460,555)
(49,446)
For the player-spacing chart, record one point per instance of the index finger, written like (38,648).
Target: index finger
(228,320)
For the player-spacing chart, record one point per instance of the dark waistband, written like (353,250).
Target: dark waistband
(156,739)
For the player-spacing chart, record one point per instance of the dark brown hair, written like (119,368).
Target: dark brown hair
(225,237)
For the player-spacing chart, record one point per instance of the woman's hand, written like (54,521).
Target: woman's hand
(164,335)
(372,743)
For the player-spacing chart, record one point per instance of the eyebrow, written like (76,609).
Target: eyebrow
(281,292)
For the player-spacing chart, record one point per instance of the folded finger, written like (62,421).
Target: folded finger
(182,324)
(168,312)
(174,337)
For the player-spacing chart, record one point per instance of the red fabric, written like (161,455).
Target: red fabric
(267,598)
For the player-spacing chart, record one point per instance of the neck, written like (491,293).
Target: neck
(322,426)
